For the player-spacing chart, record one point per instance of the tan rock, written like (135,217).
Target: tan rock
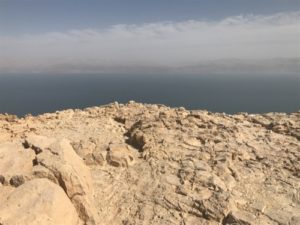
(202,165)
(240,218)
(120,155)
(172,179)
(179,166)
(16,163)
(38,143)
(4,137)
(202,193)
(295,220)
(38,202)
(192,142)
(70,172)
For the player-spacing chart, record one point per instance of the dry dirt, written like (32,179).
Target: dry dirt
(149,164)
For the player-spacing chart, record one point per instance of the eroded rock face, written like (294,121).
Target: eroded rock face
(57,160)
(151,164)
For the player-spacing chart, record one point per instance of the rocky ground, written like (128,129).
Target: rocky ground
(149,164)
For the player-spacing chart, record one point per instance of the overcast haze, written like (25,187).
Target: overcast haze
(193,37)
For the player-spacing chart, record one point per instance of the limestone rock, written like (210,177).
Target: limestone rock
(150,164)
(120,155)
(16,163)
(61,161)
(38,202)
(240,218)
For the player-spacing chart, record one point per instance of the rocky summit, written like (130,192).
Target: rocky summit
(132,164)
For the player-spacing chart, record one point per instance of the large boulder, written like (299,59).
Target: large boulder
(57,161)
(36,202)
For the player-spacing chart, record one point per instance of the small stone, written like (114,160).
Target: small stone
(2,179)
(243,155)
(89,159)
(259,156)
(295,220)
(99,158)
(259,206)
(172,179)
(203,193)
(222,169)
(202,165)
(229,181)
(17,180)
(181,190)
(239,217)
(204,156)
(120,156)
(192,142)
(216,182)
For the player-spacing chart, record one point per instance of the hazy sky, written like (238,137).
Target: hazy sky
(157,36)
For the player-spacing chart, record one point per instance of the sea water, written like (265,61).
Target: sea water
(40,93)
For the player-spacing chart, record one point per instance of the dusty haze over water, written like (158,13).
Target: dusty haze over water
(35,94)
(256,44)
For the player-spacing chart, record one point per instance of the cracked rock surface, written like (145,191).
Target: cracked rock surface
(146,164)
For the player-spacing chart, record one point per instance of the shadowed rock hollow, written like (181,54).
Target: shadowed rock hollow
(149,164)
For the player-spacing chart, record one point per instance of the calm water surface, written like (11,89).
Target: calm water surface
(35,94)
